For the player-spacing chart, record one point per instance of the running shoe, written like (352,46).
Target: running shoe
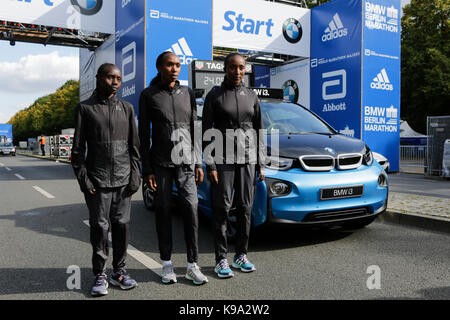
(195,275)
(168,275)
(123,280)
(223,269)
(241,262)
(100,287)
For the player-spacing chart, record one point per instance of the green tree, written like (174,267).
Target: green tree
(425,61)
(47,115)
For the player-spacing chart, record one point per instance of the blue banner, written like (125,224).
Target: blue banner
(130,49)
(336,64)
(6,133)
(183,27)
(262,76)
(381,78)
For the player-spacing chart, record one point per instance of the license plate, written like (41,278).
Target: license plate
(341,192)
(5,152)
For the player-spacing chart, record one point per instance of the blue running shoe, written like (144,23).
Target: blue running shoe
(123,280)
(223,269)
(241,262)
(100,287)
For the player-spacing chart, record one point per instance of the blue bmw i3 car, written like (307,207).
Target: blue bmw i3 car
(319,177)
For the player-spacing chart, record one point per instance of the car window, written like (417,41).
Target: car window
(290,118)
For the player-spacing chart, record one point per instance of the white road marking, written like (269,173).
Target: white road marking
(139,256)
(19,176)
(1,164)
(9,169)
(43,192)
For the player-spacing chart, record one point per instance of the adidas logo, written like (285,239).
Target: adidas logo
(181,49)
(334,30)
(381,81)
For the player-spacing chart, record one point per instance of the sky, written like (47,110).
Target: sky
(30,71)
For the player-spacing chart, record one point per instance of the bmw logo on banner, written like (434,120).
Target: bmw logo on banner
(292,30)
(88,7)
(290,91)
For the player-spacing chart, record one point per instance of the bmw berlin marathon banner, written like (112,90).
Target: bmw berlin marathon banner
(336,65)
(182,27)
(262,26)
(130,49)
(86,15)
(381,78)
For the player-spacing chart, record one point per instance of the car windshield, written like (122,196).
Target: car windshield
(287,118)
(290,118)
(7,144)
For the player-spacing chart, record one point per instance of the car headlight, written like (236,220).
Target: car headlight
(368,156)
(278,163)
(383,180)
(278,188)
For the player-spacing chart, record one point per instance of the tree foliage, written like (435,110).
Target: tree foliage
(425,61)
(47,115)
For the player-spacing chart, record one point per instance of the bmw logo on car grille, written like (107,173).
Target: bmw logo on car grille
(292,30)
(88,7)
(290,91)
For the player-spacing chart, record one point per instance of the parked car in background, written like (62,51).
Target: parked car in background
(321,177)
(7,148)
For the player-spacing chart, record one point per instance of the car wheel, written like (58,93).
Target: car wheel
(360,223)
(148,195)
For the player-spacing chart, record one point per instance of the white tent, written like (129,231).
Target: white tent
(407,132)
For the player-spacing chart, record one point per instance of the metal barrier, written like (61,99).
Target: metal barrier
(437,161)
(413,153)
(412,159)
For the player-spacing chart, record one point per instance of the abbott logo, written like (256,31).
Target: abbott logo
(381,82)
(129,59)
(334,30)
(340,83)
(154,14)
(181,49)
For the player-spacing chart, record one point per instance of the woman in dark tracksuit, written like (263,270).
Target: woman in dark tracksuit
(105,159)
(171,108)
(232,106)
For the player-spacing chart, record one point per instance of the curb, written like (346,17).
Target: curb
(43,158)
(414,220)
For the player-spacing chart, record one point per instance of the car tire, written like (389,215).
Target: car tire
(148,195)
(360,223)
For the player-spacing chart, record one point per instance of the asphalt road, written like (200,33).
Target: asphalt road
(418,184)
(42,234)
